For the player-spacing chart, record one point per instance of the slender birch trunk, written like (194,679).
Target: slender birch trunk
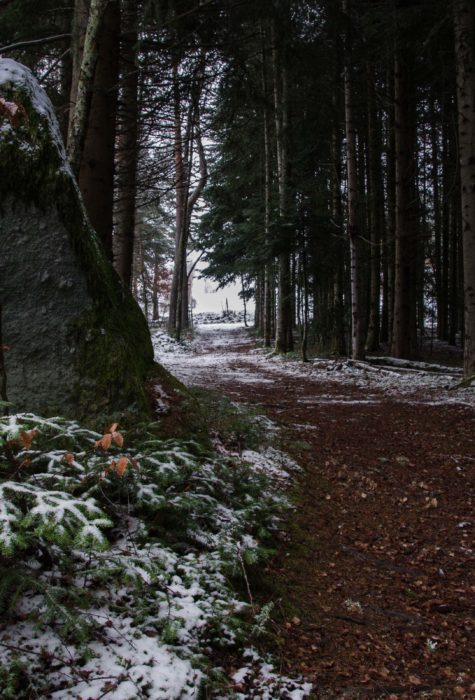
(82,88)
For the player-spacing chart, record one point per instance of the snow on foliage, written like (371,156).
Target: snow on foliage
(50,515)
(116,580)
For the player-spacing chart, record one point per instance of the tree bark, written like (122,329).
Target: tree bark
(405,320)
(357,311)
(127,148)
(85,53)
(284,327)
(190,205)
(387,314)
(376,215)
(3,372)
(448,178)
(155,290)
(96,174)
(464,23)
(184,201)
(180,197)
(268,271)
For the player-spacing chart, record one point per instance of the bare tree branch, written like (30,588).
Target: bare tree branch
(31,42)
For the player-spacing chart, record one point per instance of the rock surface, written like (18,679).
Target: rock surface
(76,342)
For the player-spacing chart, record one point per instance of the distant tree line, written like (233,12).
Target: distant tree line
(321,152)
(343,178)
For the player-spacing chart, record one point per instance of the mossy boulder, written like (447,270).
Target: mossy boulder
(76,341)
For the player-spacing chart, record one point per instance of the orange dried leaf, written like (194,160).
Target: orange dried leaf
(121,466)
(112,428)
(27,437)
(134,463)
(106,441)
(118,438)
(69,457)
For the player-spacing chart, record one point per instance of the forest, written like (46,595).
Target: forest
(269,504)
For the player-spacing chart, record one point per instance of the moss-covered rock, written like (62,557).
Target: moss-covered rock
(77,341)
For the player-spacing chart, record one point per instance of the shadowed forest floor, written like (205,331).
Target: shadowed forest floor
(375,572)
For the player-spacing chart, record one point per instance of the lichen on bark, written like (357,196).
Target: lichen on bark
(77,341)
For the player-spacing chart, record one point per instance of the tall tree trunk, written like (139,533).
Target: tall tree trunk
(305,303)
(185,202)
(191,203)
(141,267)
(464,23)
(376,214)
(155,289)
(87,23)
(3,373)
(127,146)
(357,310)
(405,321)
(339,342)
(454,265)
(387,316)
(284,329)
(96,174)
(268,270)
(448,178)
(180,198)
(435,183)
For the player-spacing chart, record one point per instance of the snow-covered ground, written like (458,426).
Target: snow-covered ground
(104,605)
(216,352)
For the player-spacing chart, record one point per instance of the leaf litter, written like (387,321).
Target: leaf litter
(377,566)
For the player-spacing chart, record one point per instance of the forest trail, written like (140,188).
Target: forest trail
(375,574)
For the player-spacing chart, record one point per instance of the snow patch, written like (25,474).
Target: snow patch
(17,74)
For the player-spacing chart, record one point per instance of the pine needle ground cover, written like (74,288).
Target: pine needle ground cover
(117,563)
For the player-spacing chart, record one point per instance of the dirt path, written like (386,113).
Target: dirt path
(376,575)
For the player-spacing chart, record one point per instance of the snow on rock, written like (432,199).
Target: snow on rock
(225,317)
(165,344)
(17,74)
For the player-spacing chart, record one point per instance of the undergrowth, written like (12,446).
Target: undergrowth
(116,561)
